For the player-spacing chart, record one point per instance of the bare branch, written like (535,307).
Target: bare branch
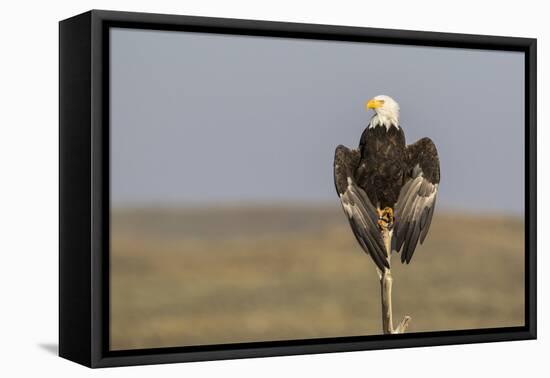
(386,281)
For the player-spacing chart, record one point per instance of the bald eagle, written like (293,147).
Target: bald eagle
(387,184)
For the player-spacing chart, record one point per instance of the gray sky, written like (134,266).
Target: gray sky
(198,118)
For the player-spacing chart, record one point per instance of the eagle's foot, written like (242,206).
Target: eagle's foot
(385,218)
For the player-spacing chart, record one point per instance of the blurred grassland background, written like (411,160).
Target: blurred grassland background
(232,274)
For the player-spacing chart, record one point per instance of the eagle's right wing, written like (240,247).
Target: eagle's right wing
(361,213)
(416,204)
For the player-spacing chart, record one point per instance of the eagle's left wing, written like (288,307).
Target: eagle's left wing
(360,211)
(416,203)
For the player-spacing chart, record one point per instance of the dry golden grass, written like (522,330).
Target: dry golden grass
(207,276)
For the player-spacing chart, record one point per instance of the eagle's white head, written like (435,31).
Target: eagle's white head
(386,111)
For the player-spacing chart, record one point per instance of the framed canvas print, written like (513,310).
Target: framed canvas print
(234,188)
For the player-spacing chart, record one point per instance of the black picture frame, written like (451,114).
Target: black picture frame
(84,187)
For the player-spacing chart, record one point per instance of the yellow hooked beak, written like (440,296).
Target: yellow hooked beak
(374,104)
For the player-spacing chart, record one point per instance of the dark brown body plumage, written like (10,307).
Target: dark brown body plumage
(383,164)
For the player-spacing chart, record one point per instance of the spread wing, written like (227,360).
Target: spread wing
(416,203)
(361,213)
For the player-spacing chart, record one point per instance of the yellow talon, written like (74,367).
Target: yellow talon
(385,218)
